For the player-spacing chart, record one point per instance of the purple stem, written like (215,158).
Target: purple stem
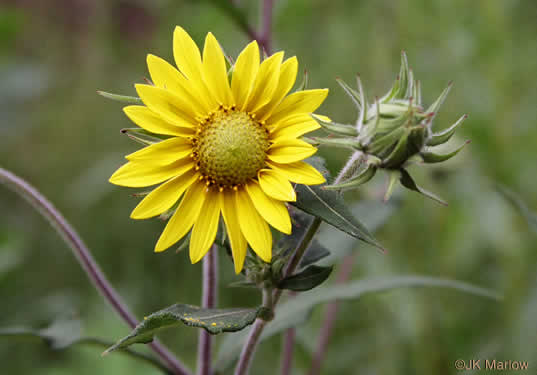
(210,277)
(85,259)
(249,348)
(270,299)
(287,351)
(265,36)
(329,319)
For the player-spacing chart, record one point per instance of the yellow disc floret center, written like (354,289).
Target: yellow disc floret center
(230,147)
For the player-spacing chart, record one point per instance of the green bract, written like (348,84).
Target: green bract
(390,133)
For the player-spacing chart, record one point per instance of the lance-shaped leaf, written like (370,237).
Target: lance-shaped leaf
(438,103)
(356,97)
(399,152)
(431,157)
(404,77)
(364,176)
(307,279)
(315,251)
(393,91)
(329,207)
(393,177)
(385,142)
(337,142)
(335,128)
(362,114)
(242,284)
(416,138)
(297,310)
(213,321)
(120,98)
(370,130)
(63,334)
(445,135)
(408,182)
(416,94)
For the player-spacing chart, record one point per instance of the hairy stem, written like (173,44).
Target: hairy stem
(210,279)
(85,259)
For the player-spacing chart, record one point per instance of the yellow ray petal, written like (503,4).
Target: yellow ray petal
(290,150)
(253,226)
(301,101)
(266,82)
(287,80)
(186,54)
(188,59)
(140,174)
(164,197)
(299,172)
(215,72)
(275,185)
(236,238)
(169,106)
(205,227)
(167,77)
(184,217)
(244,73)
(273,211)
(150,121)
(164,151)
(294,127)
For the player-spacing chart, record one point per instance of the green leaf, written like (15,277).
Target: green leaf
(520,205)
(242,284)
(393,176)
(213,321)
(315,251)
(356,96)
(330,207)
(307,279)
(297,310)
(120,98)
(444,136)
(64,334)
(431,157)
(374,215)
(335,128)
(59,335)
(438,103)
(408,182)
(364,176)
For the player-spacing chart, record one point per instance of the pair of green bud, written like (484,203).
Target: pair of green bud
(390,134)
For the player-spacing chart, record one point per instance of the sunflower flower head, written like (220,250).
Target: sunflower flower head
(227,146)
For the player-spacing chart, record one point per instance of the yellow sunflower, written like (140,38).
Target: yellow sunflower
(229,147)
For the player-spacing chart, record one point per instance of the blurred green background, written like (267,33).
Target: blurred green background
(57,133)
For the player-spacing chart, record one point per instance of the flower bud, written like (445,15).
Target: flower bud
(392,132)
